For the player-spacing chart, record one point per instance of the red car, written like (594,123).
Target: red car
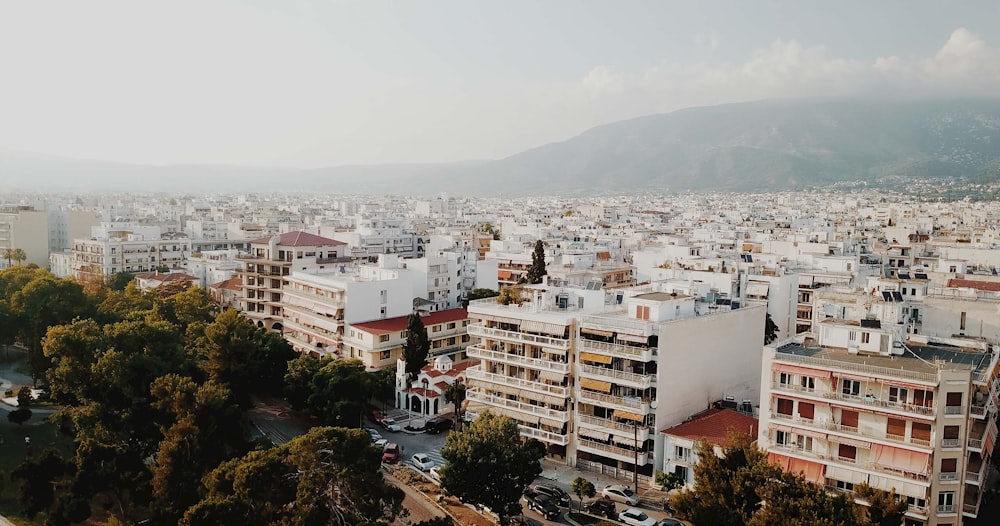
(392,453)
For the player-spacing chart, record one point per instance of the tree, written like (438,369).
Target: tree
(328,476)
(478,294)
(454,393)
(885,508)
(38,476)
(118,281)
(19,416)
(19,255)
(416,347)
(668,481)
(338,392)
(380,385)
(583,488)
(770,329)
(42,303)
(8,254)
(537,269)
(298,380)
(509,295)
(24,397)
(487,464)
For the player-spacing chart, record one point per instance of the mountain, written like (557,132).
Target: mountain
(767,145)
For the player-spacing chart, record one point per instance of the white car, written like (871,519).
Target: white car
(391,425)
(435,474)
(381,442)
(636,517)
(422,461)
(620,494)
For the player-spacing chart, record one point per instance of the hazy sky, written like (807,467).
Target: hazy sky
(314,83)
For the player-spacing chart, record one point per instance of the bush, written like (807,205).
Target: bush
(19,416)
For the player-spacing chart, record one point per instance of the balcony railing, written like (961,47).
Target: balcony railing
(621,453)
(477,373)
(642,433)
(643,354)
(970,509)
(868,402)
(869,370)
(948,477)
(617,323)
(951,442)
(946,508)
(543,435)
(976,476)
(643,381)
(478,329)
(917,510)
(953,410)
(476,351)
(629,402)
(555,414)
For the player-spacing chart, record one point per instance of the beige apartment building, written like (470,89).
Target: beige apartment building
(379,343)
(863,406)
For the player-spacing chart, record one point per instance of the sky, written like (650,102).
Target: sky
(323,83)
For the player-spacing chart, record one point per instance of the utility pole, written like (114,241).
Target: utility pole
(635,448)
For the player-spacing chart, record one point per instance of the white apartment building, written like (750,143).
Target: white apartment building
(862,406)
(318,305)
(125,247)
(211,266)
(379,343)
(374,236)
(271,260)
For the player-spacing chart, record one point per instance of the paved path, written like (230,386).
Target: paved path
(420,509)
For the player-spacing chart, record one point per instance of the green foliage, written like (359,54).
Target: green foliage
(19,416)
(416,347)
(246,357)
(298,380)
(537,269)
(668,481)
(24,397)
(37,477)
(328,476)
(884,508)
(478,294)
(583,488)
(455,393)
(119,281)
(44,302)
(337,392)
(510,295)
(770,330)
(487,464)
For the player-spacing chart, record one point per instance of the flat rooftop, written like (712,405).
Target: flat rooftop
(928,359)
(660,296)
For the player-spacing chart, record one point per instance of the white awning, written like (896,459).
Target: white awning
(551,376)
(590,433)
(846,475)
(757,289)
(542,327)
(634,338)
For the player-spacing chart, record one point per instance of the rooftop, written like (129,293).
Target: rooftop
(921,359)
(714,425)
(660,296)
(399,324)
(299,239)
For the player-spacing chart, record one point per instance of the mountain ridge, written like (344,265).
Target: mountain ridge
(765,145)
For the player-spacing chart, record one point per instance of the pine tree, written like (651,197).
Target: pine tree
(416,347)
(537,269)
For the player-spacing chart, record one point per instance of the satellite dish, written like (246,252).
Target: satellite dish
(652,405)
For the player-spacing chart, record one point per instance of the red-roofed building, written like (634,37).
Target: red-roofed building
(425,396)
(713,425)
(156,279)
(272,258)
(378,344)
(227,293)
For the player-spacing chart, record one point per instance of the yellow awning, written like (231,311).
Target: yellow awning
(593,357)
(596,332)
(628,416)
(595,385)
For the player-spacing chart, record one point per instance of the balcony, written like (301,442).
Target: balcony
(946,508)
(954,410)
(642,381)
(543,435)
(478,329)
(606,424)
(632,403)
(976,474)
(919,511)
(867,370)
(886,405)
(949,443)
(617,323)
(970,510)
(477,351)
(642,354)
(948,477)
(477,373)
(608,450)
(516,405)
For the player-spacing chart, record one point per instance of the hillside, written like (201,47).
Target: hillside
(768,145)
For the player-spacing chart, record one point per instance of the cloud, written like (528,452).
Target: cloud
(707,41)
(966,65)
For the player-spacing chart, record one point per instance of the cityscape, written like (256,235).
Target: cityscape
(463,263)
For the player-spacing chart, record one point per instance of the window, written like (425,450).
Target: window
(949,465)
(895,427)
(904,291)
(804,443)
(913,292)
(853,336)
(850,387)
(954,400)
(682,453)
(642,312)
(961,323)
(682,471)
(807,411)
(865,336)
(849,419)
(846,486)
(784,379)
(383,338)
(451,325)
(923,398)
(383,296)
(436,328)
(781,438)
(385,355)
(808,383)
(898,394)
(785,406)
(848,453)
(946,502)
(382,312)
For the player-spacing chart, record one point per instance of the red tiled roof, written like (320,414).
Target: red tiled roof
(991,286)
(233,283)
(713,425)
(419,391)
(299,239)
(400,323)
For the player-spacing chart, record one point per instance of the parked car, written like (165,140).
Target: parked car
(619,493)
(438,424)
(392,453)
(603,506)
(375,435)
(391,425)
(554,492)
(670,522)
(542,504)
(636,517)
(422,461)
(381,442)
(435,473)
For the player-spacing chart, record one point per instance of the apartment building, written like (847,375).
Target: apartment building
(317,305)
(525,350)
(25,228)
(126,247)
(379,343)
(863,406)
(714,425)
(271,260)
